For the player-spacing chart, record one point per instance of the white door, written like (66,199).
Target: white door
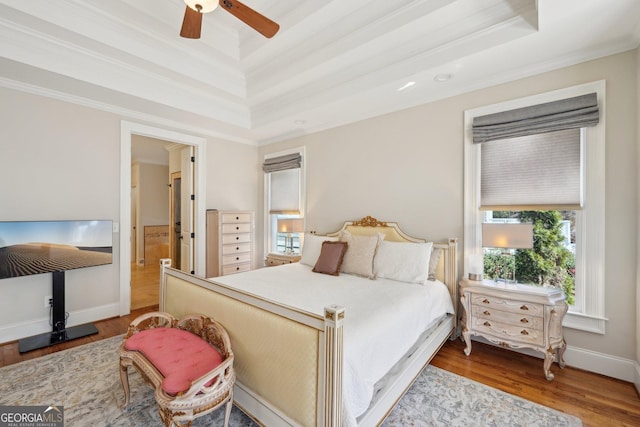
(134,222)
(187,210)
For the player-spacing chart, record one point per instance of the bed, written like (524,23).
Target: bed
(322,350)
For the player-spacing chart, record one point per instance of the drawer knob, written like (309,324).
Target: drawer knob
(237,258)
(487,313)
(487,324)
(237,217)
(237,237)
(485,301)
(524,320)
(237,268)
(237,248)
(523,332)
(524,307)
(237,228)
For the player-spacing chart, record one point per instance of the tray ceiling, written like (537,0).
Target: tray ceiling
(332,62)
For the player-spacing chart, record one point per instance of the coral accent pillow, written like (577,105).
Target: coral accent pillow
(331,258)
(180,356)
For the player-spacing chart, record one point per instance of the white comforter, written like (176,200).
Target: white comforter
(383,318)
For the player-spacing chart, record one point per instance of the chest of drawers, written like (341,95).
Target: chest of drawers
(515,316)
(230,239)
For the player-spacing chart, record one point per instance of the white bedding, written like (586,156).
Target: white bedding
(383,318)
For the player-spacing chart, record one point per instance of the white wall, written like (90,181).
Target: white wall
(55,165)
(408,167)
(62,161)
(232,176)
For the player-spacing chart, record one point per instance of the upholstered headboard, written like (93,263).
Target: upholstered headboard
(446,266)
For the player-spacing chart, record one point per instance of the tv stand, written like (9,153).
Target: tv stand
(60,333)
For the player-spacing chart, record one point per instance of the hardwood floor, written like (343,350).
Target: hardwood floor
(597,400)
(145,285)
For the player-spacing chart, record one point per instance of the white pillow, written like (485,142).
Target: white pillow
(311,247)
(360,253)
(403,261)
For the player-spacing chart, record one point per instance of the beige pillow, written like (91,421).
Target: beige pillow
(331,257)
(359,257)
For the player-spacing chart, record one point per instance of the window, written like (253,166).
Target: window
(582,211)
(549,261)
(284,197)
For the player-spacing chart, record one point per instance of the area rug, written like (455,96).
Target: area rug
(85,380)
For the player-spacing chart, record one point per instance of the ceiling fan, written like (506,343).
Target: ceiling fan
(192,23)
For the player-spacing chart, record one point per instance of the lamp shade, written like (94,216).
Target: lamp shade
(291,225)
(507,235)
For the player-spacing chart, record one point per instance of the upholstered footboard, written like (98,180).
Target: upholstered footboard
(293,358)
(289,362)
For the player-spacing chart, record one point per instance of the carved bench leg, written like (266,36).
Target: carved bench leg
(124,379)
(227,411)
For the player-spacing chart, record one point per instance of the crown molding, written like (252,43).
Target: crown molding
(124,113)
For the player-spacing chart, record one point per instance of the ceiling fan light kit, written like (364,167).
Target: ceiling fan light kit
(192,22)
(202,6)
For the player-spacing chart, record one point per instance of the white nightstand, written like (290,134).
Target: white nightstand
(280,259)
(515,316)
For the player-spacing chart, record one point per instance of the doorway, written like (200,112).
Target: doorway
(197,144)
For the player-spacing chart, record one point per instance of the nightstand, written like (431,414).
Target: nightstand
(280,259)
(515,316)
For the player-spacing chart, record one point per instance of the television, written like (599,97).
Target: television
(37,247)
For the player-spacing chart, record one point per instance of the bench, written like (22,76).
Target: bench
(188,362)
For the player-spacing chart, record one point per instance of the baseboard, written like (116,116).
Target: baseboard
(601,363)
(592,361)
(16,331)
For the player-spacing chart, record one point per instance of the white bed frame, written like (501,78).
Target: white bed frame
(300,382)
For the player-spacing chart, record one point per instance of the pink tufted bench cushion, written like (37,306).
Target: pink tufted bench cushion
(180,356)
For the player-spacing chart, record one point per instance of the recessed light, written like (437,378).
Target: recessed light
(406,86)
(442,77)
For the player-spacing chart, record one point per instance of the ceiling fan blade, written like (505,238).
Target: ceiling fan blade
(255,20)
(191,24)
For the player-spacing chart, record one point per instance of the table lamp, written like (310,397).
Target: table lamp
(507,236)
(290,226)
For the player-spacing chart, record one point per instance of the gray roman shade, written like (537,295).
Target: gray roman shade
(283,178)
(281,163)
(570,113)
(533,172)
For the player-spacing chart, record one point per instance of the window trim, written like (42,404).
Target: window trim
(303,192)
(589,314)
